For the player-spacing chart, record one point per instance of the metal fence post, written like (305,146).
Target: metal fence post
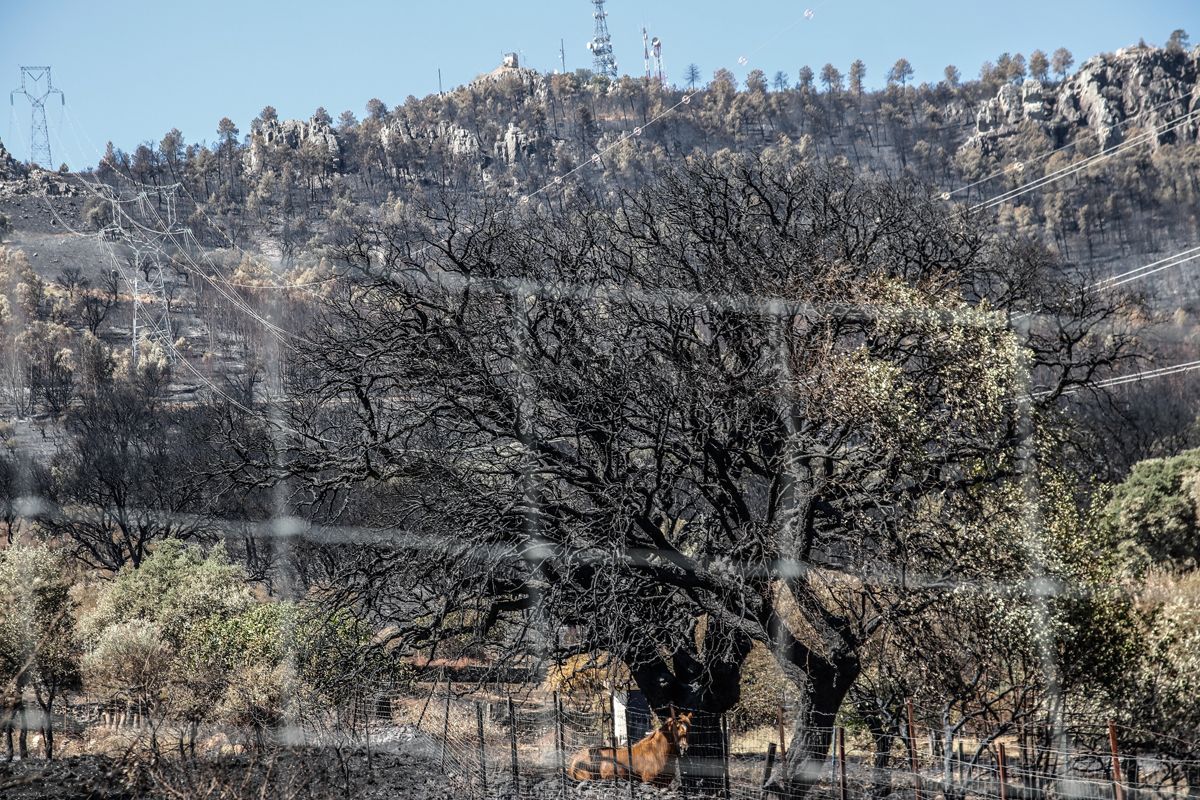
(725,754)
(446,727)
(629,752)
(560,745)
(512,743)
(768,768)
(912,751)
(482,753)
(1118,789)
(1002,763)
(841,757)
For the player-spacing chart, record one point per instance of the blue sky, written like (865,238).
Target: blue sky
(133,69)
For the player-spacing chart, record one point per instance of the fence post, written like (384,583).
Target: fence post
(962,767)
(782,741)
(770,766)
(512,744)
(725,755)
(560,745)
(1003,767)
(482,753)
(1118,789)
(446,727)
(629,751)
(841,757)
(912,750)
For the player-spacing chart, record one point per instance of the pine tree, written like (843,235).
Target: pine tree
(858,71)
(692,75)
(1039,65)
(804,78)
(900,73)
(831,78)
(1062,61)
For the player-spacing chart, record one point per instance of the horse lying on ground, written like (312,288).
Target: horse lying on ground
(653,757)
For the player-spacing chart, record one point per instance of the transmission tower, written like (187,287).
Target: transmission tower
(601,43)
(39,138)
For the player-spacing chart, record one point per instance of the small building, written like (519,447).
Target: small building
(631,711)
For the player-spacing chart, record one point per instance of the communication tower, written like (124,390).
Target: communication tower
(601,43)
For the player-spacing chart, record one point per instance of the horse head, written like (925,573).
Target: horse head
(676,730)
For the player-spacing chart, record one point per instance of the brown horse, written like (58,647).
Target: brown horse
(653,757)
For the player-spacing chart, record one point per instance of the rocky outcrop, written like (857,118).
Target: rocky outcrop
(10,168)
(530,80)
(1157,87)
(402,144)
(516,145)
(316,135)
(17,180)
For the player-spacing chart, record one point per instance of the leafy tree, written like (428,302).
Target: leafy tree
(670,539)
(831,78)
(1016,68)
(900,73)
(756,82)
(377,109)
(1039,65)
(1158,508)
(780,82)
(804,79)
(321,117)
(120,485)
(1178,41)
(1165,685)
(858,72)
(951,76)
(39,648)
(1061,62)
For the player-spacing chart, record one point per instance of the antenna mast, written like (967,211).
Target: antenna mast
(601,43)
(646,51)
(39,138)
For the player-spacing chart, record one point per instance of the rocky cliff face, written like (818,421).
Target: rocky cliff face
(293,134)
(1110,97)
(10,168)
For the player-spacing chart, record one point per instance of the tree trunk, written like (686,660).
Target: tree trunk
(812,731)
(703,768)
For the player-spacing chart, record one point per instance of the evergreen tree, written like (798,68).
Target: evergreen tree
(831,78)
(1178,41)
(1061,62)
(1039,65)
(804,79)
(780,81)
(858,71)
(900,73)
(952,76)
(692,75)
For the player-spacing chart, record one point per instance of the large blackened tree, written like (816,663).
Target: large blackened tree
(756,400)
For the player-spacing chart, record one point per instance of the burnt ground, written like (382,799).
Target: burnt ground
(293,774)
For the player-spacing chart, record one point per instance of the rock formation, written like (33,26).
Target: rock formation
(1156,86)
(293,134)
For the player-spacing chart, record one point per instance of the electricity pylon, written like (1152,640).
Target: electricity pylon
(39,137)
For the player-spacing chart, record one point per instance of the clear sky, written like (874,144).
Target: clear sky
(133,69)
